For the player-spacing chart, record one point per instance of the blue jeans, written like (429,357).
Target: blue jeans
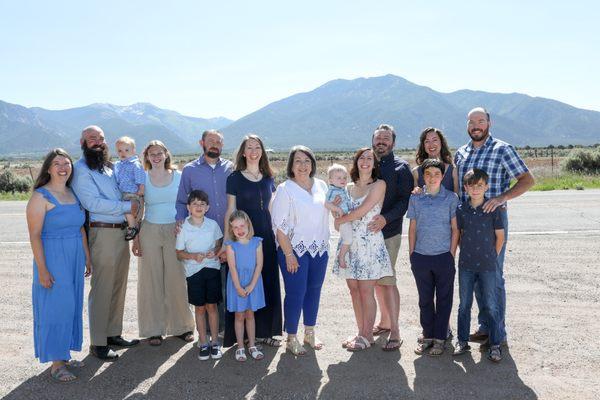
(487,284)
(500,289)
(302,289)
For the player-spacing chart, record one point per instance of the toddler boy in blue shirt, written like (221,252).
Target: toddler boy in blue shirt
(481,240)
(338,178)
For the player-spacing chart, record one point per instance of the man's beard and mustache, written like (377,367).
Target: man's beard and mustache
(478,135)
(212,152)
(95,157)
(381,149)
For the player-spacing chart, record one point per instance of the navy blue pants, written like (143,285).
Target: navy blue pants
(434,276)
(302,289)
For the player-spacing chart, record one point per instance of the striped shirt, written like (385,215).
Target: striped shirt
(497,158)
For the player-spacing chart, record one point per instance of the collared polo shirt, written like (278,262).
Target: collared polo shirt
(478,237)
(130,174)
(199,239)
(433,215)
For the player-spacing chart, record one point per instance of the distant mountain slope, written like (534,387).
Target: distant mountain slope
(342,114)
(339,115)
(35,130)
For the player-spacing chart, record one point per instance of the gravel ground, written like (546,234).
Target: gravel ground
(553,285)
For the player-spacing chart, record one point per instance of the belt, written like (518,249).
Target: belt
(107,225)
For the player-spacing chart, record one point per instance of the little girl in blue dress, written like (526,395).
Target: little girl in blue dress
(245,293)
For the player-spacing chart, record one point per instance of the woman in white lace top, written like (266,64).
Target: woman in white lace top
(301,225)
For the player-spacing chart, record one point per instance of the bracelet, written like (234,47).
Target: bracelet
(289,254)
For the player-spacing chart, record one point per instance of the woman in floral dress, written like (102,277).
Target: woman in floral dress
(368,257)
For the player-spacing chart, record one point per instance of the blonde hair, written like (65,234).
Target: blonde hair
(126,140)
(336,168)
(239,214)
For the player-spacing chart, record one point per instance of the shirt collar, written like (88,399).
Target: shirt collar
(479,207)
(441,194)
(130,159)
(387,158)
(487,143)
(202,160)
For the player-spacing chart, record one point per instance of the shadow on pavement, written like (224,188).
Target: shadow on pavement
(461,377)
(100,380)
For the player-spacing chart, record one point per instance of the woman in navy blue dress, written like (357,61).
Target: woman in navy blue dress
(249,188)
(61,258)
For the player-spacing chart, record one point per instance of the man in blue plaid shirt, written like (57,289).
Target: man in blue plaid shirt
(502,163)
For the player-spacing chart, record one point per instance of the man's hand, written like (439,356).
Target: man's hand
(377,223)
(493,203)
(177,228)
(417,190)
(136,248)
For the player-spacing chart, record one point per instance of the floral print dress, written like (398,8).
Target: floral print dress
(368,256)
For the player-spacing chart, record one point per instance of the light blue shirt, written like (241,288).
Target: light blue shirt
(198,239)
(130,174)
(433,215)
(160,201)
(99,194)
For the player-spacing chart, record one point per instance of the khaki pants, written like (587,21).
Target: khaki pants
(392,244)
(110,262)
(135,196)
(163,307)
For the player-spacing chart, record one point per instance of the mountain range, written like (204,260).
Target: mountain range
(339,115)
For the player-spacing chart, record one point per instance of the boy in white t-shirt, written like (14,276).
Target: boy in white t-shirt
(197,244)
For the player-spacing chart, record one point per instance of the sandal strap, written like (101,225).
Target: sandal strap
(61,373)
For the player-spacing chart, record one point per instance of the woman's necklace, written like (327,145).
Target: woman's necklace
(254,175)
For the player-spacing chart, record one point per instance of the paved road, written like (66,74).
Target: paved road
(553,284)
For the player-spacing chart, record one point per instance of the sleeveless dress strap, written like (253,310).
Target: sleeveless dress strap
(48,196)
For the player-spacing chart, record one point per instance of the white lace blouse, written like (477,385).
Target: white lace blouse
(302,216)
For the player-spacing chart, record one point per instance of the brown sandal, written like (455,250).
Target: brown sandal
(187,337)
(155,340)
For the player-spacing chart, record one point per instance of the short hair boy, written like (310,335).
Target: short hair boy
(197,244)
(338,178)
(433,237)
(481,240)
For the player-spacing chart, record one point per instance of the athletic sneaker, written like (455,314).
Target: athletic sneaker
(461,348)
(215,352)
(204,353)
(495,354)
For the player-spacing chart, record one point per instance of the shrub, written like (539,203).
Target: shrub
(9,182)
(583,161)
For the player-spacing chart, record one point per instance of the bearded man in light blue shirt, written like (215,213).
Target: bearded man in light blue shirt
(95,185)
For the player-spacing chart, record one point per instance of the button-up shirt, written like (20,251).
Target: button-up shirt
(478,237)
(497,158)
(99,194)
(130,174)
(200,175)
(399,183)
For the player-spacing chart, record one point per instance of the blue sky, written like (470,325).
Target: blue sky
(230,58)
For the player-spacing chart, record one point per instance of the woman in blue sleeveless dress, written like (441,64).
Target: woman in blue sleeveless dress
(433,144)
(61,259)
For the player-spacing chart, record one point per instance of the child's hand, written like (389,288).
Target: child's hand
(199,257)
(241,292)
(210,254)
(249,289)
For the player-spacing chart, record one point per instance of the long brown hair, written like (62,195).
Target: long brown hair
(354,169)
(263,164)
(44,176)
(148,164)
(422,155)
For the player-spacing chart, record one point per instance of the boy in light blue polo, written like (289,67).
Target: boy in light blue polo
(433,237)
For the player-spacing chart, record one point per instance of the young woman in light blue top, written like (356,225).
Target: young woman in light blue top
(162,302)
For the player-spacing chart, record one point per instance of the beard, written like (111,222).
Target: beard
(213,152)
(95,157)
(381,150)
(478,135)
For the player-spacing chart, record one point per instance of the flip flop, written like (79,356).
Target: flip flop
(63,375)
(360,343)
(378,330)
(348,341)
(155,340)
(392,345)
